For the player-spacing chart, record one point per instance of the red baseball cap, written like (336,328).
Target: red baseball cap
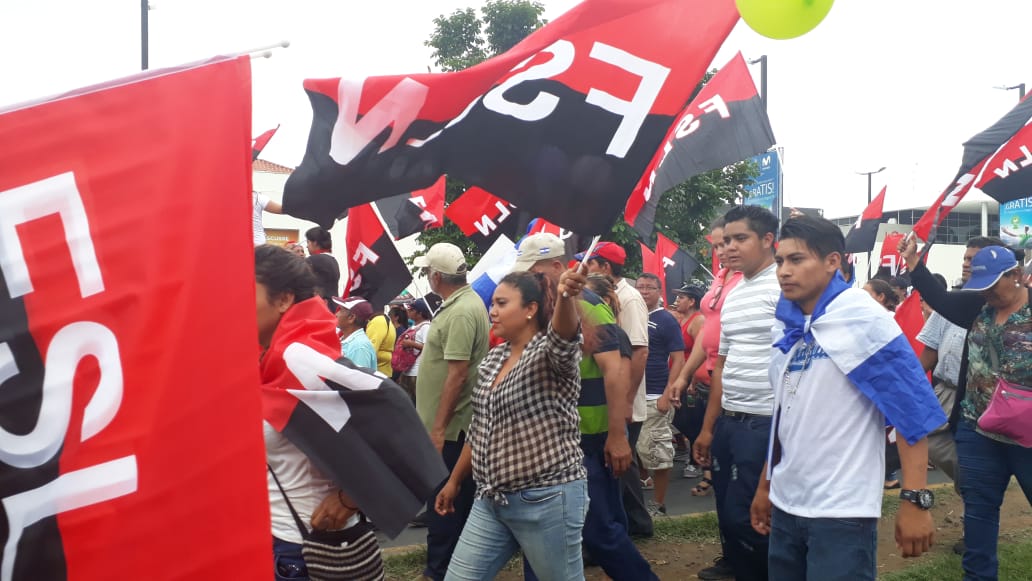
(610,251)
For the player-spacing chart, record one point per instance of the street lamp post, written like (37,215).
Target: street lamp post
(1020,87)
(762,60)
(869,174)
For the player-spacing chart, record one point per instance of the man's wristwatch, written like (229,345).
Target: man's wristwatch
(923,499)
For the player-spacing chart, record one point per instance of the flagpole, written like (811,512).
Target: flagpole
(144,34)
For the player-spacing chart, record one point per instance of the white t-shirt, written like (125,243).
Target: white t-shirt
(746,320)
(422,330)
(634,320)
(257,230)
(302,481)
(831,437)
(948,339)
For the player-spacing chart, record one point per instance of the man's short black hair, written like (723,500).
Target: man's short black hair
(616,269)
(760,220)
(821,235)
(983,241)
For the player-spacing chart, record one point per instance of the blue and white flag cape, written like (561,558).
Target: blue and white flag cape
(865,343)
(493,266)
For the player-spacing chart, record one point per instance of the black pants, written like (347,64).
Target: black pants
(639,523)
(442,532)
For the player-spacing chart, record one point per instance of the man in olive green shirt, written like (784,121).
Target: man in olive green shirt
(455,344)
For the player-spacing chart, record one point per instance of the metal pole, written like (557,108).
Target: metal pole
(144,8)
(1021,91)
(762,60)
(865,207)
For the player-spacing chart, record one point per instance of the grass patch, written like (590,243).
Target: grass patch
(890,500)
(405,565)
(692,528)
(1015,562)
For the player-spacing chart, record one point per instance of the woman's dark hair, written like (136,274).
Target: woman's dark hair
(321,236)
(604,287)
(534,288)
(821,236)
(880,287)
(282,271)
(399,316)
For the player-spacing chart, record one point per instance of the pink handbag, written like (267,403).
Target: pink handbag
(1009,412)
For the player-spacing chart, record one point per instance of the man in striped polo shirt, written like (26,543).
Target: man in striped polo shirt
(736,430)
(602,403)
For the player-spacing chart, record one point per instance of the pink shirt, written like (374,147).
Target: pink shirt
(711,305)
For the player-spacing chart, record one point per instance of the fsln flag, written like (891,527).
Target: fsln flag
(677,266)
(890,258)
(911,320)
(408,214)
(995,161)
(864,233)
(561,125)
(259,143)
(376,272)
(356,425)
(483,217)
(571,240)
(725,123)
(125,443)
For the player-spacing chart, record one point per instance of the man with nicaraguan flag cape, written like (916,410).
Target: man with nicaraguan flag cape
(841,368)
(356,428)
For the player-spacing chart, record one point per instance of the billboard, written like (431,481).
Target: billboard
(1016,223)
(765,189)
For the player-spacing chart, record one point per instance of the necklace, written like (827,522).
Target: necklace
(807,351)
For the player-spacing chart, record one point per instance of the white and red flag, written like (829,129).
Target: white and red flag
(130,418)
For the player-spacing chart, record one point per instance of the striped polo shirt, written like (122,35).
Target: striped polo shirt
(745,339)
(594,414)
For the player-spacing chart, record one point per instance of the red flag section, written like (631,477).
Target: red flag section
(408,214)
(259,143)
(890,257)
(482,216)
(562,125)
(376,272)
(724,124)
(131,348)
(864,234)
(911,320)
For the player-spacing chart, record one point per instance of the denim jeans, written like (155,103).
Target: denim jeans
(739,452)
(605,528)
(986,467)
(287,562)
(545,522)
(822,549)
(442,532)
(639,523)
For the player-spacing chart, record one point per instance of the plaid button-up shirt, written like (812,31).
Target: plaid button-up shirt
(526,431)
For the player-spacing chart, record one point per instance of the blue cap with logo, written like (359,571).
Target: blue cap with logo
(988,266)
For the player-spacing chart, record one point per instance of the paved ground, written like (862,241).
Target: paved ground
(679,501)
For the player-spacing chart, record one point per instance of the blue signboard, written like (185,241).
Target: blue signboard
(765,190)
(1016,223)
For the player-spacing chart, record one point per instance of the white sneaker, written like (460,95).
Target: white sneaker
(691,471)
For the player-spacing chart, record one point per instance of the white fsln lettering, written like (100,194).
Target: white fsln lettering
(635,111)
(54,195)
(365,255)
(1009,166)
(85,487)
(957,193)
(486,225)
(425,215)
(310,367)
(543,104)
(397,110)
(689,123)
(667,263)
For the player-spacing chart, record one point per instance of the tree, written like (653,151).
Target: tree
(461,40)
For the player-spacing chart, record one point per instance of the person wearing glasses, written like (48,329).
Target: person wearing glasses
(695,376)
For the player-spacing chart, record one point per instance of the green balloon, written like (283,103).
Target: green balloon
(782,19)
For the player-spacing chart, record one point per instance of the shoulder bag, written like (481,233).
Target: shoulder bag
(1009,412)
(351,554)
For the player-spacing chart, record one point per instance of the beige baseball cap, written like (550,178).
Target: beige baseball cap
(443,257)
(536,247)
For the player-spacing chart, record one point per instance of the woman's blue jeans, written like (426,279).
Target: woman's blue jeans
(985,468)
(546,523)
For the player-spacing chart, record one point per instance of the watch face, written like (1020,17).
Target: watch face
(925,498)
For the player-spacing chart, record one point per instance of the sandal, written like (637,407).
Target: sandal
(703,488)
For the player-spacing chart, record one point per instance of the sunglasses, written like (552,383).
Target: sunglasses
(716,297)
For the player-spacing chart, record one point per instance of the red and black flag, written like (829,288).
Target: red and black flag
(356,425)
(482,216)
(259,143)
(862,235)
(571,240)
(724,124)
(376,272)
(408,214)
(677,266)
(995,161)
(130,419)
(561,125)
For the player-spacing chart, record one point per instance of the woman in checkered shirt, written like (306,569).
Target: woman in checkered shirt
(523,446)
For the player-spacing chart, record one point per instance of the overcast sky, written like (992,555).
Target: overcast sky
(879,83)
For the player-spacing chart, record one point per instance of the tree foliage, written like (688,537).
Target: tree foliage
(462,39)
